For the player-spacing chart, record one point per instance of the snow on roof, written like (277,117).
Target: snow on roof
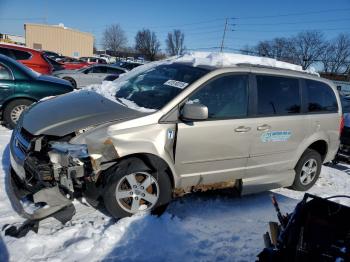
(215,59)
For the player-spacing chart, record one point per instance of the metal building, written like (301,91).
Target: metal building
(59,39)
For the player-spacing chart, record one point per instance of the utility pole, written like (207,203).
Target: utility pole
(223,37)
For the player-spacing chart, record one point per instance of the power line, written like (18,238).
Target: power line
(295,23)
(22,19)
(293,30)
(296,14)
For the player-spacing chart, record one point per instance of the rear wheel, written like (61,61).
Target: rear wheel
(128,193)
(13,111)
(307,170)
(71,80)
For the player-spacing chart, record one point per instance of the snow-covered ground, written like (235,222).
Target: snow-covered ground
(198,227)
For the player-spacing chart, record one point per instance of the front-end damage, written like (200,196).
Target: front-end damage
(49,172)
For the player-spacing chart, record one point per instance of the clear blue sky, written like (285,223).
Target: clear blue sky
(202,21)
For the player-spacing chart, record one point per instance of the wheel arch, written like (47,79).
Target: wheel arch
(149,161)
(321,147)
(13,98)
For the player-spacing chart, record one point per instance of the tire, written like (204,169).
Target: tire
(307,170)
(72,81)
(132,187)
(14,109)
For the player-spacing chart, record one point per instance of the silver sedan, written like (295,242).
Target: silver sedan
(94,74)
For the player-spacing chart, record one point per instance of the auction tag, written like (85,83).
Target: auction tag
(175,83)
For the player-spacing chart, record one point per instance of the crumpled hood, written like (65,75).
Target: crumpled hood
(67,113)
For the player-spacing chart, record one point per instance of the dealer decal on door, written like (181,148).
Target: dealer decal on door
(275,136)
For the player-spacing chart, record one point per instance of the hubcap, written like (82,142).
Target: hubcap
(137,192)
(16,112)
(308,172)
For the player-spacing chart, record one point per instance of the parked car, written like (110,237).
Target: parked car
(71,63)
(32,58)
(93,60)
(176,127)
(128,65)
(109,59)
(20,87)
(52,55)
(94,74)
(343,154)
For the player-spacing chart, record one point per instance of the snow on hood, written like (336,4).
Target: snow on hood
(215,59)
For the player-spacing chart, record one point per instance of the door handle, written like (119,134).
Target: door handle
(263,127)
(242,129)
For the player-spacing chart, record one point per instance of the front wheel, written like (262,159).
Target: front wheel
(13,111)
(128,193)
(307,170)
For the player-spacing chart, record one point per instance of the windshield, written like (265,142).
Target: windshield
(154,87)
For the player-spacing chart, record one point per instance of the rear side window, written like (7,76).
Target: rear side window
(278,95)
(321,98)
(21,55)
(114,71)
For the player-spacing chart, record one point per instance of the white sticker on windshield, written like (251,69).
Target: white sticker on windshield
(175,83)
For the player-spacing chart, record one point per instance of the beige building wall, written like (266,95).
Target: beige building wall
(60,39)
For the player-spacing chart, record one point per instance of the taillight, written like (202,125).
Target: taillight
(341,124)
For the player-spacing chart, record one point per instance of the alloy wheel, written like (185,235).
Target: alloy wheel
(308,172)
(137,192)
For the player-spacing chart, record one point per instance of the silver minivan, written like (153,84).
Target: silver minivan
(174,127)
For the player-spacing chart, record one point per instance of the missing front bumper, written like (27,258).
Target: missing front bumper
(53,199)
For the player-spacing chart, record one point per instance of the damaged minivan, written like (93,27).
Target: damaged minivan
(173,127)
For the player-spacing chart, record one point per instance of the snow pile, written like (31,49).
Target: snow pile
(230,59)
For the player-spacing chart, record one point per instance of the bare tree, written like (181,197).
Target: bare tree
(114,38)
(175,42)
(279,48)
(307,47)
(146,43)
(336,56)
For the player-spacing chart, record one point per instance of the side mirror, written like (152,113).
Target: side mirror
(194,111)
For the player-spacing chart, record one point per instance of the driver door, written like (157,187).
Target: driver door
(217,148)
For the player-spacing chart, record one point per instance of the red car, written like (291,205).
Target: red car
(32,58)
(71,63)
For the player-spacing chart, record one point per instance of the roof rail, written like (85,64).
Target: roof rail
(277,68)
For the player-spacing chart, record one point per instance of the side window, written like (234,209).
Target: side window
(5,74)
(278,95)
(114,71)
(225,97)
(6,52)
(21,55)
(321,97)
(99,69)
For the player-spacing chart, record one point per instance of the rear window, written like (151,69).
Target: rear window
(278,95)
(21,55)
(320,98)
